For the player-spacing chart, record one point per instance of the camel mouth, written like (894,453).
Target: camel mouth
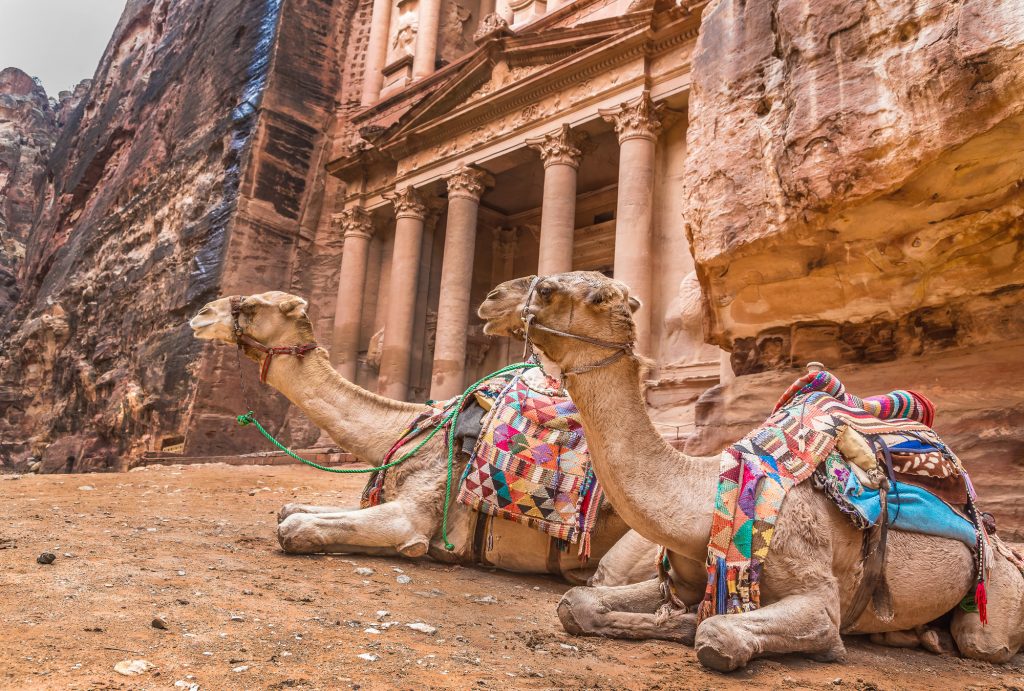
(202,325)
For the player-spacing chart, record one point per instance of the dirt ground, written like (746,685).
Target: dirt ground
(195,545)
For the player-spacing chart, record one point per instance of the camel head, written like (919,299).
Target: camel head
(502,307)
(272,318)
(585,303)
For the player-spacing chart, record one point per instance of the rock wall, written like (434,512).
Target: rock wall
(854,196)
(183,174)
(29,125)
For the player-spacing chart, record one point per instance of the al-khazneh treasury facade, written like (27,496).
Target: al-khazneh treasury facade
(551,141)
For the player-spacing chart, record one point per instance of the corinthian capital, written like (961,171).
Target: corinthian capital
(562,146)
(408,203)
(469,183)
(641,118)
(354,222)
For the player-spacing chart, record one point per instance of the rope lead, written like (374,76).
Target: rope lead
(452,417)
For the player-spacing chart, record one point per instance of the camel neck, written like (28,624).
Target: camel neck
(359,421)
(663,494)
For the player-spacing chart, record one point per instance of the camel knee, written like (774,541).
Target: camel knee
(576,611)
(720,646)
(981,642)
(297,535)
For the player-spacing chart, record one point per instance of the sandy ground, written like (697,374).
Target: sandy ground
(195,545)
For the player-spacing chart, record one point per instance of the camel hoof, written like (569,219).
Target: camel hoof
(290,535)
(720,647)
(288,510)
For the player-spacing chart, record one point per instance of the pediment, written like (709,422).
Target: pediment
(506,62)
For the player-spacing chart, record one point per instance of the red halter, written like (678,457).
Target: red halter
(244,339)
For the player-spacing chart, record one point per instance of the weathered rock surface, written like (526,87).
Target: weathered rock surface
(29,125)
(184,173)
(854,196)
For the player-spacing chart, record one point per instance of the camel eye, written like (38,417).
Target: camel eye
(545,291)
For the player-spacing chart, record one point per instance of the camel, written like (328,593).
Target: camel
(408,523)
(814,564)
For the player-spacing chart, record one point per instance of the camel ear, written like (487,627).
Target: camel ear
(293,307)
(634,304)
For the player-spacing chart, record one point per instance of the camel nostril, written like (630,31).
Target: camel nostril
(493,295)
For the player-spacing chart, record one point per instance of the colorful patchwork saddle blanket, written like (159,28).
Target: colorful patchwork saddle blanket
(799,438)
(531,465)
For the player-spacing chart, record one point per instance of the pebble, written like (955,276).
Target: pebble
(837,681)
(363,571)
(486,600)
(240,668)
(46,558)
(369,657)
(131,668)
(237,617)
(159,623)
(87,488)
(403,579)
(246,592)
(181,573)
(382,614)
(181,683)
(423,628)
(371,629)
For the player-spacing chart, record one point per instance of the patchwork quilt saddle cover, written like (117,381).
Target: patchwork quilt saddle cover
(531,465)
(799,439)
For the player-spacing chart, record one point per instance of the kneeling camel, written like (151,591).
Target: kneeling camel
(814,564)
(366,424)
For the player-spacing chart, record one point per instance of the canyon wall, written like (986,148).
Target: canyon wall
(183,174)
(855,195)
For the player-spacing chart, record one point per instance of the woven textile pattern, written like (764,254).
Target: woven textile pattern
(758,471)
(531,466)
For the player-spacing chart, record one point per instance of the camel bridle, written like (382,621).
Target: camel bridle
(530,322)
(244,339)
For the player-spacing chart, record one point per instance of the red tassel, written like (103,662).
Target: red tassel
(981,600)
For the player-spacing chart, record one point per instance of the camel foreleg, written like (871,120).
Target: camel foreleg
(805,623)
(384,529)
(288,509)
(629,611)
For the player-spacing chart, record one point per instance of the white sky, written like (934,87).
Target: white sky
(59,41)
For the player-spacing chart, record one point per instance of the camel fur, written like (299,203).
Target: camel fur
(409,522)
(814,563)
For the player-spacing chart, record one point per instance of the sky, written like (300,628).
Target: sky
(58,41)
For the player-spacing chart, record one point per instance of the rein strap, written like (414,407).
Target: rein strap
(244,339)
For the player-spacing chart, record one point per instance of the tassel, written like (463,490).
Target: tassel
(981,600)
(584,552)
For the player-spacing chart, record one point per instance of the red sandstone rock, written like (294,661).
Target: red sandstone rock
(853,196)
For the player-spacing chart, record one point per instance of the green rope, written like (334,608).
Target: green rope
(452,417)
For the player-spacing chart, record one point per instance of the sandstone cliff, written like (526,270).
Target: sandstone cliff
(179,177)
(854,196)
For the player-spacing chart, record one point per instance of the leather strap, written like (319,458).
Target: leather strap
(244,339)
(873,585)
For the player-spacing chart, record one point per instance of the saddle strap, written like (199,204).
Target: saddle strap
(873,585)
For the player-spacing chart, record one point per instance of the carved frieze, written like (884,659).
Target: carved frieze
(468,182)
(563,147)
(408,203)
(506,242)
(640,118)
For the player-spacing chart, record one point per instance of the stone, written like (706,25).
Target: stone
(159,623)
(237,618)
(422,628)
(240,668)
(363,571)
(369,657)
(46,558)
(131,668)
(402,579)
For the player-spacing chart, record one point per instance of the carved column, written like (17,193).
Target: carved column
(376,52)
(464,190)
(561,155)
(425,58)
(410,213)
(637,125)
(357,226)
